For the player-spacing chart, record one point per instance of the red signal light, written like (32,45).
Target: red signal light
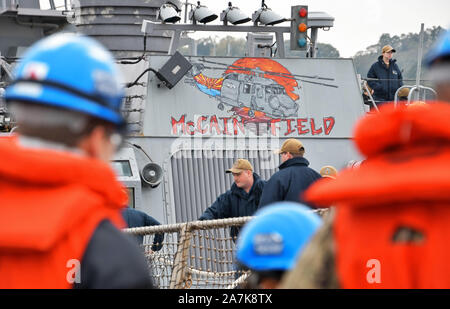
(303,12)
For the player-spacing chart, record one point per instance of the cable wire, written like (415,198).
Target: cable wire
(140,148)
(129,85)
(137,59)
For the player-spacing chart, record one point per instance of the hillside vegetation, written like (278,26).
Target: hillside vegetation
(406,46)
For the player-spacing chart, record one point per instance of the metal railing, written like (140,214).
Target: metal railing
(198,254)
(194,255)
(413,89)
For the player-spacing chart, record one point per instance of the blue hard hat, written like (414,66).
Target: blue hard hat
(274,239)
(441,49)
(70,71)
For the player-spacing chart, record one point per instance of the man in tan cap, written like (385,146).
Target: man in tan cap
(384,76)
(243,197)
(293,177)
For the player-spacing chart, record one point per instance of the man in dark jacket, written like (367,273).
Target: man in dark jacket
(137,218)
(241,200)
(385,76)
(292,179)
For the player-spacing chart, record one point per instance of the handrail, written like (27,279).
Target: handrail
(411,91)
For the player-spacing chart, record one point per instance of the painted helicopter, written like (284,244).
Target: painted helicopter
(254,85)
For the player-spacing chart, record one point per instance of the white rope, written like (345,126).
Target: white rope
(209,274)
(239,281)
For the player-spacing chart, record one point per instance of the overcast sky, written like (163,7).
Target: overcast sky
(358,23)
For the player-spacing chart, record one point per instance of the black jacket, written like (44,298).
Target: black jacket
(236,203)
(289,182)
(389,79)
(137,218)
(113,260)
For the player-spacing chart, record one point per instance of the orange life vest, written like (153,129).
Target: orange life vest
(404,184)
(50,204)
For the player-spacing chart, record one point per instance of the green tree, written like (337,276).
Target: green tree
(231,46)
(237,47)
(205,46)
(326,51)
(323,51)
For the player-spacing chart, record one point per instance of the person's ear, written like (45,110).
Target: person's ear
(94,144)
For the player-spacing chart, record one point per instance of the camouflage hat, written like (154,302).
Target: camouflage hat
(292,146)
(239,166)
(328,171)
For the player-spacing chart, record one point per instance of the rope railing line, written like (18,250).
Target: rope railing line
(407,80)
(199,225)
(211,274)
(219,223)
(205,224)
(167,228)
(239,281)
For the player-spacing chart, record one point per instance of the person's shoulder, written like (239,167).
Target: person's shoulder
(133,211)
(261,182)
(139,214)
(257,178)
(113,259)
(225,197)
(277,178)
(277,175)
(378,63)
(301,171)
(304,170)
(259,186)
(230,191)
(315,173)
(375,63)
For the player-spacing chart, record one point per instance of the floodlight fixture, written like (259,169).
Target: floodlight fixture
(168,13)
(201,14)
(266,16)
(233,15)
